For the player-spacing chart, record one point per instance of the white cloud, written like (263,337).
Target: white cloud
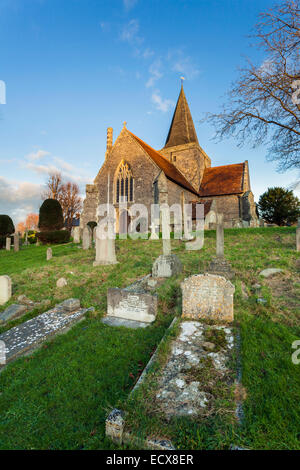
(17,199)
(128,4)
(130,31)
(155,73)
(161,104)
(33,156)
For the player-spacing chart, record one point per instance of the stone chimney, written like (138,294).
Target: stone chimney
(109,140)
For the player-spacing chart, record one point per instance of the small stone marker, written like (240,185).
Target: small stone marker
(114,426)
(8,243)
(70,305)
(207,296)
(76,235)
(13,311)
(62,282)
(87,238)
(49,254)
(16,242)
(5,289)
(270,272)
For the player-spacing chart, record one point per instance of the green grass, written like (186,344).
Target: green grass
(58,398)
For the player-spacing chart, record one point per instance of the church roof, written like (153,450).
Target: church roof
(222,180)
(182,130)
(165,165)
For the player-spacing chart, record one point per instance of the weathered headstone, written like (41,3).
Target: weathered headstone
(16,242)
(12,312)
(49,254)
(87,238)
(76,235)
(8,243)
(26,238)
(5,289)
(298,236)
(105,247)
(206,296)
(220,236)
(131,305)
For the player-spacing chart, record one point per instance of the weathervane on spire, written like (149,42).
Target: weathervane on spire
(182,78)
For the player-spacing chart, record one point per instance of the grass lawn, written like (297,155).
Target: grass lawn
(59,397)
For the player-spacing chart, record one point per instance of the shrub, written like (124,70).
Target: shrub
(6,228)
(50,216)
(54,236)
(279,206)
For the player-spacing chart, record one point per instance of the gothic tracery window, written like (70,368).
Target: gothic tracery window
(124,183)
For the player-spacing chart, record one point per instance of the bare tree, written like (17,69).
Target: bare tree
(53,186)
(70,201)
(67,194)
(264,103)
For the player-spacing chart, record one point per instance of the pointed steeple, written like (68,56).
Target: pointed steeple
(182,130)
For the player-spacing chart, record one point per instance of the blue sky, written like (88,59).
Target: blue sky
(74,67)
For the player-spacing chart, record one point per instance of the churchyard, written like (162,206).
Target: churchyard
(59,396)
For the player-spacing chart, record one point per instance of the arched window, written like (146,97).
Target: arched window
(124,183)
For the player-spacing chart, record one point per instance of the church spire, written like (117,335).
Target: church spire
(182,130)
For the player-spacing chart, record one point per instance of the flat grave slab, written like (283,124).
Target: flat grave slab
(26,337)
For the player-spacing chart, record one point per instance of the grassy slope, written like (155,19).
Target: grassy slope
(58,398)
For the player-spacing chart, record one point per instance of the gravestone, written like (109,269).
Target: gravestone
(5,289)
(76,235)
(87,238)
(26,238)
(166,265)
(8,243)
(105,247)
(49,253)
(16,242)
(219,265)
(206,296)
(298,236)
(131,305)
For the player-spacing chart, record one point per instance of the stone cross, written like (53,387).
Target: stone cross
(5,289)
(87,238)
(49,254)
(154,235)
(220,236)
(8,243)
(16,242)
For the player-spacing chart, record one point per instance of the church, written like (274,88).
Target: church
(180,172)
